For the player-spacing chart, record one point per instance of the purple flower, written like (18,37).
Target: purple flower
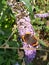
(41,15)
(29,54)
(24,26)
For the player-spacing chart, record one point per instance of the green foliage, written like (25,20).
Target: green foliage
(7,22)
(43,43)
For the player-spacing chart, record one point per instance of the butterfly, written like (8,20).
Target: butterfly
(30,40)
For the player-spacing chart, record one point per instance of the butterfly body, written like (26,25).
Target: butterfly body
(30,40)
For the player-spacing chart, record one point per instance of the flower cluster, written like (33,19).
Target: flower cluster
(29,54)
(24,27)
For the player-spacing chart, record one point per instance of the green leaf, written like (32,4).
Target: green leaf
(43,43)
(28,5)
(8,62)
(27,2)
(1,60)
(12,43)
